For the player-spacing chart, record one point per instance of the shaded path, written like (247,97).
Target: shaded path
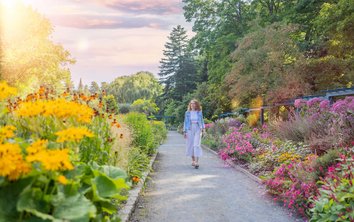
(214,192)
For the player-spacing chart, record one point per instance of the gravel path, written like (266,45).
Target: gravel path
(214,192)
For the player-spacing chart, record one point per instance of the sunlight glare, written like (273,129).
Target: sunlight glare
(9,17)
(9,4)
(82,45)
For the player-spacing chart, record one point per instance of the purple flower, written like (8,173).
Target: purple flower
(339,106)
(313,101)
(324,104)
(299,103)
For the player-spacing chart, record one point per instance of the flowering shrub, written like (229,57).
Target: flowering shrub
(216,130)
(320,124)
(237,147)
(294,183)
(335,201)
(41,173)
(143,136)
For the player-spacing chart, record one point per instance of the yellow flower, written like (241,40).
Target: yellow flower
(59,108)
(37,147)
(52,160)
(6,91)
(6,132)
(12,164)
(62,179)
(74,134)
(288,157)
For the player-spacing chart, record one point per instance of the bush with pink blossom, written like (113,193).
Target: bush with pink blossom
(237,146)
(320,124)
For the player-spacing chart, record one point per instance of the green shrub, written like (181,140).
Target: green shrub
(326,160)
(138,163)
(143,137)
(336,200)
(97,148)
(159,131)
(124,108)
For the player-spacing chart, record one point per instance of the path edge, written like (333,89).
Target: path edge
(126,211)
(235,166)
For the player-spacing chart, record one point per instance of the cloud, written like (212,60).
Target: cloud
(156,7)
(108,22)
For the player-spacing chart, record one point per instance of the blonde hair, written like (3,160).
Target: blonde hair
(197,103)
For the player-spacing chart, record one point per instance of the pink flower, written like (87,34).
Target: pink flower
(331,169)
(299,103)
(339,106)
(324,104)
(313,101)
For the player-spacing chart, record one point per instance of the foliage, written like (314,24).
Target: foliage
(143,137)
(144,106)
(124,108)
(159,131)
(215,131)
(110,104)
(138,163)
(94,87)
(97,148)
(274,49)
(177,68)
(46,168)
(29,57)
(336,195)
(237,147)
(127,89)
(294,183)
(320,124)
(330,158)
(261,61)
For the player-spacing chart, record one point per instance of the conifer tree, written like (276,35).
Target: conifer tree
(177,68)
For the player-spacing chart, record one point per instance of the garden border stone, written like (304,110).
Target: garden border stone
(126,211)
(232,164)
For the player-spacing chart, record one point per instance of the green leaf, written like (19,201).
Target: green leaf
(113,172)
(74,208)
(104,188)
(346,196)
(108,207)
(30,201)
(8,199)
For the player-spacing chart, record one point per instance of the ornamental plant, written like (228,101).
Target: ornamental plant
(335,201)
(216,130)
(294,183)
(41,175)
(318,123)
(237,146)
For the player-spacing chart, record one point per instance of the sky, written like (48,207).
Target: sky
(112,38)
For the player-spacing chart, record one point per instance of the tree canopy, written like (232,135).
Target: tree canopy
(29,58)
(270,49)
(127,89)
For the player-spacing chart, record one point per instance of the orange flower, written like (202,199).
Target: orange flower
(136,179)
(41,90)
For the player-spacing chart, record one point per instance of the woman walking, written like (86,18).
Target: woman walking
(192,129)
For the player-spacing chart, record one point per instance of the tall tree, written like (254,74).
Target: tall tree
(177,68)
(262,64)
(94,87)
(80,87)
(30,58)
(127,89)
